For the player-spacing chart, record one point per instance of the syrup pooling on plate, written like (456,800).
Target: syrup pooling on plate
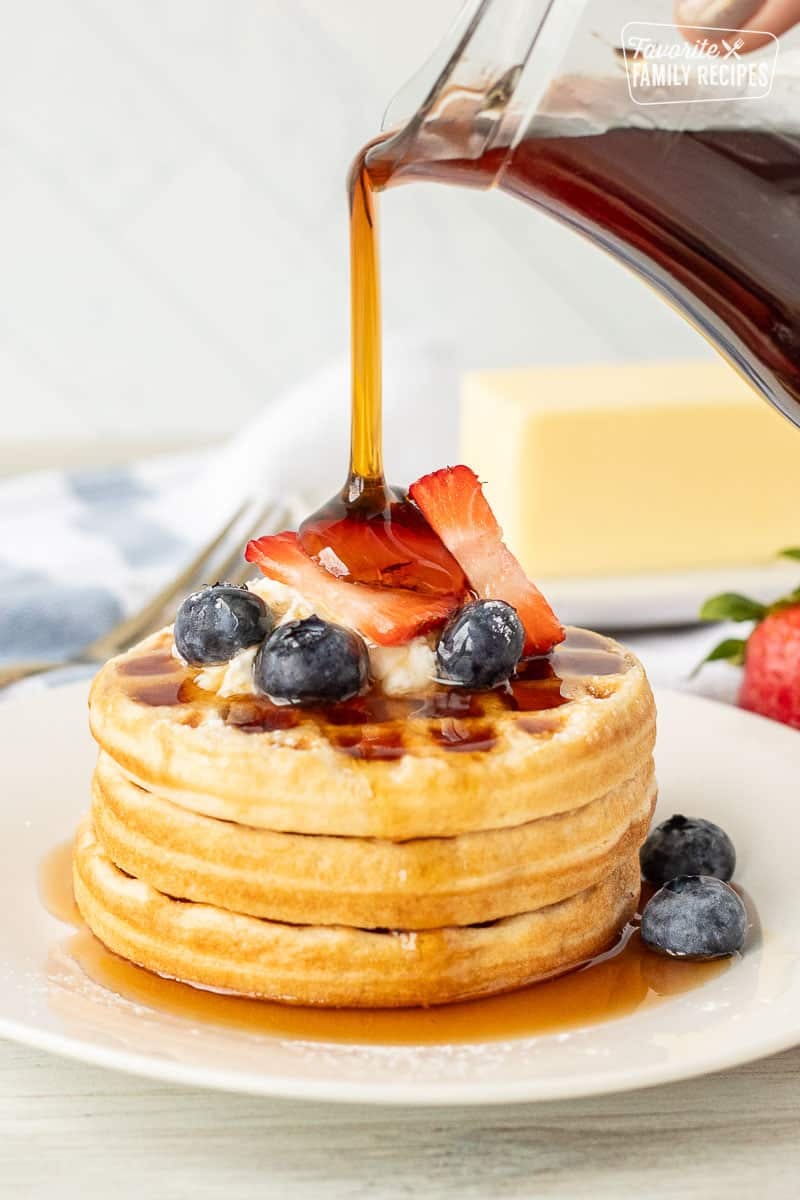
(55,885)
(371,726)
(625,979)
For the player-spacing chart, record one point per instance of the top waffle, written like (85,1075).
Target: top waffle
(578,722)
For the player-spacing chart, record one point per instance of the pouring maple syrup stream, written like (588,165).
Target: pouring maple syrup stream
(366,447)
(369,531)
(354,519)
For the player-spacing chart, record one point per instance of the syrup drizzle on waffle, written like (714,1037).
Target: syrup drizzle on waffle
(377,726)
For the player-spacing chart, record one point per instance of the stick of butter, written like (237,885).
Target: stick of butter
(642,467)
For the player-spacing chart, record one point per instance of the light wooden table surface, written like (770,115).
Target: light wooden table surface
(72,1131)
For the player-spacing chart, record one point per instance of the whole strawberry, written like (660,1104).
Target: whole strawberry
(770,655)
(771,684)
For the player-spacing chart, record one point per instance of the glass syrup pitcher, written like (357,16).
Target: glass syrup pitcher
(676,150)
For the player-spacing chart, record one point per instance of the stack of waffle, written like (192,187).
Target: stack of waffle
(377,853)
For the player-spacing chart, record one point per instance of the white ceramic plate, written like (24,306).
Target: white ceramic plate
(661,598)
(714,761)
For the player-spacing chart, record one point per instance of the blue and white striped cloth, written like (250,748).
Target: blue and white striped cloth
(80,549)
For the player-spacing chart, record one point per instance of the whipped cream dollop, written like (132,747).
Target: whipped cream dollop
(399,670)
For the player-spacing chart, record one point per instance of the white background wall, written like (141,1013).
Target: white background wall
(173,228)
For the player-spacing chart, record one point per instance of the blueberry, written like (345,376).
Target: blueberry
(687,846)
(480,645)
(695,916)
(215,623)
(311,660)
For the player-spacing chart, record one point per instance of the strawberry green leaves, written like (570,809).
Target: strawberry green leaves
(792,598)
(733,606)
(730,650)
(729,606)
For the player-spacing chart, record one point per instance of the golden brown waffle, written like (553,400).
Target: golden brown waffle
(438,765)
(337,965)
(365,882)
(377,852)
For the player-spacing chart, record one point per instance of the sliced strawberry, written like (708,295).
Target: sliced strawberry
(385,615)
(393,547)
(453,503)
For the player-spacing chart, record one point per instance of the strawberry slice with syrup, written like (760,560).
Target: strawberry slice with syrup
(387,616)
(453,504)
(380,538)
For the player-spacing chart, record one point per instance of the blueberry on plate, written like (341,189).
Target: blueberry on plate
(480,645)
(311,661)
(687,846)
(218,621)
(695,916)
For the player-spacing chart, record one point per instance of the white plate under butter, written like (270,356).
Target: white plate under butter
(661,598)
(713,761)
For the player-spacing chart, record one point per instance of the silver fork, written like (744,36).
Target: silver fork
(221,558)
